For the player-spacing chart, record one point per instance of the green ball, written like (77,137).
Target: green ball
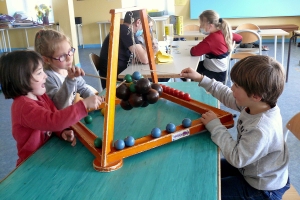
(88,119)
(132,87)
(98,142)
(128,78)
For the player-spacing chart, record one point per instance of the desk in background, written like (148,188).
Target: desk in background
(181,60)
(263,33)
(25,30)
(184,169)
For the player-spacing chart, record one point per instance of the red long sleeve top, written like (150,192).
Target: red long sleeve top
(215,49)
(33,121)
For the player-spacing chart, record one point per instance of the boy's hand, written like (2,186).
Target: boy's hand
(192,74)
(93,102)
(69,136)
(75,72)
(207,117)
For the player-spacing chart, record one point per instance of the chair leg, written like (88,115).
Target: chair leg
(288,58)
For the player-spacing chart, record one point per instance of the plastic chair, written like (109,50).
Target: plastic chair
(191,27)
(248,26)
(228,64)
(250,36)
(94,61)
(292,126)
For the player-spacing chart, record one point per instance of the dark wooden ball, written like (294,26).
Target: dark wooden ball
(123,92)
(145,104)
(142,86)
(136,100)
(125,105)
(152,96)
(157,87)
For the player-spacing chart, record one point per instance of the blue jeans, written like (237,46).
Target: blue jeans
(234,186)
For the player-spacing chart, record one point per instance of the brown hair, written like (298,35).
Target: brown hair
(212,17)
(135,14)
(47,41)
(260,75)
(16,70)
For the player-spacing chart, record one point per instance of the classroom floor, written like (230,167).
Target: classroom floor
(288,102)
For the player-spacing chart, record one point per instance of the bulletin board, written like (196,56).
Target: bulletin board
(246,9)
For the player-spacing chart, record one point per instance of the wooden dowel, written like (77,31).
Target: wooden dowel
(121,83)
(95,76)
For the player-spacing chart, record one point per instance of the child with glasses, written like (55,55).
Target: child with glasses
(34,116)
(64,79)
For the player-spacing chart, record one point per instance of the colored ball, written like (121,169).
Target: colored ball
(176,93)
(186,122)
(136,75)
(123,92)
(125,105)
(180,95)
(157,87)
(88,119)
(103,111)
(152,96)
(170,127)
(145,104)
(129,141)
(119,144)
(128,78)
(187,96)
(156,132)
(142,86)
(136,100)
(132,88)
(98,142)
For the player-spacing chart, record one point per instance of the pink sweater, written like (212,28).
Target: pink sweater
(33,121)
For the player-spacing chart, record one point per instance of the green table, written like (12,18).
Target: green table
(184,169)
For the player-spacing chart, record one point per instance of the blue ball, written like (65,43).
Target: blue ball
(119,144)
(156,132)
(129,141)
(136,75)
(186,122)
(170,128)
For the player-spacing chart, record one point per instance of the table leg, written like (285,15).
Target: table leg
(275,46)
(100,30)
(288,58)
(27,42)
(8,40)
(282,50)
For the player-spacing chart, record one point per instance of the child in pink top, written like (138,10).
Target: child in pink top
(34,115)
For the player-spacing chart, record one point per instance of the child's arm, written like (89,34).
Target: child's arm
(191,74)
(59,92)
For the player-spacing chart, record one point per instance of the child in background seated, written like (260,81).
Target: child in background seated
(256,165)
(34,116)
(216,46)
(64,79)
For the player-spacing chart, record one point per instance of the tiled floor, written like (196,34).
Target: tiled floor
(288,102)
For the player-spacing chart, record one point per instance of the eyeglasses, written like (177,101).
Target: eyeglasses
(63,57)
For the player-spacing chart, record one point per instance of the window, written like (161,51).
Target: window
(28,8)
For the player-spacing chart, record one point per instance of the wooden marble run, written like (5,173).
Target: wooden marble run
(108,158)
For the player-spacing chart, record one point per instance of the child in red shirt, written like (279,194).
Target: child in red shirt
(34,115)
